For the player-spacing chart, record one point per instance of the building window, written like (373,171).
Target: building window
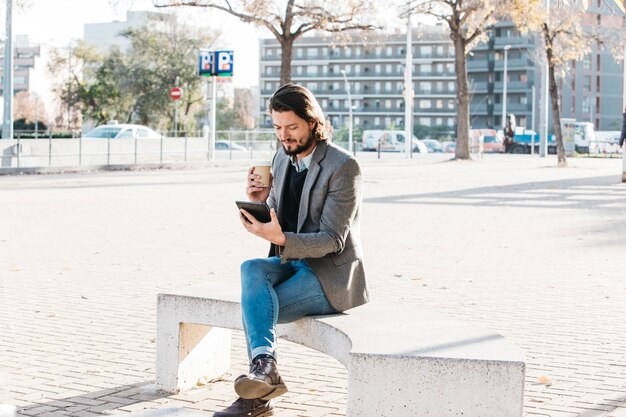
(299,70)
(299,52)
(426,68)
(357,120)
(399,104)
(426,87)
(387,104)
(451,87)
(269,52)
(426,51)
(311,52)
(425,104)
(440,50)
(357,51)
(357,86)
(377,104)
(388,86)
(377,86)
(439,121)
(348,68)
(450,104)
(388,69)
(389,51)
(348,51)
(376,121)
(311,70)
(439,104)
(377,68)
(424,121)
(357,69)
(268,70)
(312,86)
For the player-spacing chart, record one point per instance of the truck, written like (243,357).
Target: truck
(525,139)
(389,141)
(576,137)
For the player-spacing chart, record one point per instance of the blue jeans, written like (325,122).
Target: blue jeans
(272,293)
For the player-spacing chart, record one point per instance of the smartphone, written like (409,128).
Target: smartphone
(260,211)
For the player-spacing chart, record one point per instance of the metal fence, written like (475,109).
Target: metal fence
(55,152)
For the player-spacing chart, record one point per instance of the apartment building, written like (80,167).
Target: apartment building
(375,73)
(23,62)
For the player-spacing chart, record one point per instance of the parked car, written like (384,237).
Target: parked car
(433,145)
(449,146)
(389,141)
(492,144)
(221,145)
(121,131)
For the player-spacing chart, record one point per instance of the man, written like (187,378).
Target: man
(623,135)
(315,265)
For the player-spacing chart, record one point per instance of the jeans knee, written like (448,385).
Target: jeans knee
(251,273)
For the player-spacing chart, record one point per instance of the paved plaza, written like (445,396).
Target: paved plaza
(509,242)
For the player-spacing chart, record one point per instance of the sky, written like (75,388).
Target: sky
(54,23)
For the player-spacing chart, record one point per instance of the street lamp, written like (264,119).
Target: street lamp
(345,78)
(506,79)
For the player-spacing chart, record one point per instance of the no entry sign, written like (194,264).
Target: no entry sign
(176,93)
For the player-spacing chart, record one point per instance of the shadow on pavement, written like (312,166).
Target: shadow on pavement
(99,402)
(594,193)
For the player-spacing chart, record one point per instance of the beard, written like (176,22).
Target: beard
(300,148)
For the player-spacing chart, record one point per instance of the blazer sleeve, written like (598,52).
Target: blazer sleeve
(623,135)
(340,207)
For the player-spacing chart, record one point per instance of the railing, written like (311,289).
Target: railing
(51,152)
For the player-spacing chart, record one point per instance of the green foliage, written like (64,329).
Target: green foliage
(133,86)
(22,124)
(434,132)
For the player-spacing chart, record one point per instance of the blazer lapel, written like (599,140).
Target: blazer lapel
(311,176)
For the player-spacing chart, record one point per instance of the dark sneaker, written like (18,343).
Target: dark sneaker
(248,408)
(263,381)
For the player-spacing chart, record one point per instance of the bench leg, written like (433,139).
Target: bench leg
(187,352)
(381,387)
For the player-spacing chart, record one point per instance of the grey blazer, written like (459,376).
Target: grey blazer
(328,236)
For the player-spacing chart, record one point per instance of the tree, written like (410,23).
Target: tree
(468,20)
(290,19)
(29,108)
(568,35)
(133,85)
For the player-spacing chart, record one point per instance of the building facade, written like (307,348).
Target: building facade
(375,73)
(24,56)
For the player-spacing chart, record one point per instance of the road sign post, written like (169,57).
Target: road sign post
(214,64)
(176,94)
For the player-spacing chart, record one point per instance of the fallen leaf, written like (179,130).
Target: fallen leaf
(544,380)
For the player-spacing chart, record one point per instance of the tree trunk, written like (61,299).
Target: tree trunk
(554,101)
(462,98)
(286,46)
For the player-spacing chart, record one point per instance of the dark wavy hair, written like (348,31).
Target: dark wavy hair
(296,98)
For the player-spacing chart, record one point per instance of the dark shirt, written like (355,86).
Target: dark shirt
(291,199)
(623,135)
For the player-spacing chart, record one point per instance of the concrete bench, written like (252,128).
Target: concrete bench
(401,361)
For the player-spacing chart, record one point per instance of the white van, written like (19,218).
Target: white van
(389,140)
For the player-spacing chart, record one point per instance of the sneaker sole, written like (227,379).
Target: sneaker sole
(253,388)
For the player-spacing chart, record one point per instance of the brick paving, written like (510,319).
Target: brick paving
(509,242)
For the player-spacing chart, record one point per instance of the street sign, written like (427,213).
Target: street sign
(207,63)
(176,93)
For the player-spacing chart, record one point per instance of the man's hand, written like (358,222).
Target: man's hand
(255,191)
(271,231)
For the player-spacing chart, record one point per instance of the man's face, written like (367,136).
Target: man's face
(295,133)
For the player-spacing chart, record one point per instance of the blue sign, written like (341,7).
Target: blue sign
(215,63)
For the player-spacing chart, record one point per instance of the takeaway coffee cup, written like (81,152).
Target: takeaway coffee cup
(263,169)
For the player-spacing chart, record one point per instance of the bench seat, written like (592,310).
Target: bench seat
(401,361)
